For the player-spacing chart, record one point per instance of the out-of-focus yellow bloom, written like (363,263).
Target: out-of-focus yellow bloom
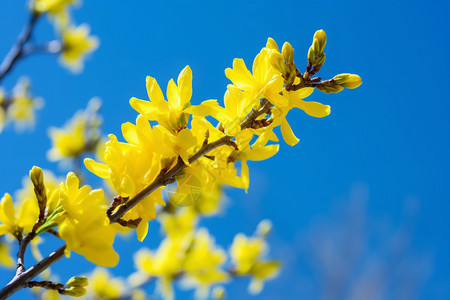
(5,258)
(165,263)
(246,255)
(21,109)
(202,265)
(80,134)
(103,286)
(76,44)
(179,226)
(83,224)
(27,215)
(169,114)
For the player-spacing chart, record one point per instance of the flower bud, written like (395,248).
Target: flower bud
(74,291)
(272,45)
(352,82)
(276,60)
(320,61)
(288,53)
(37,176)
(321,40)
(329,88)
(78,281)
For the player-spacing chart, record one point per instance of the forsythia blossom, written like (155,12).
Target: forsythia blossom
(76,44)
(81,134)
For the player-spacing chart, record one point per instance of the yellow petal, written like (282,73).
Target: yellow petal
(173,96)
(245,175)
(129,133)
(185,85)
(154,91)
(271,44)
(240,75)
(142,230)
(207,108)
(7,214)
(145,107)
(98,169)
(288,136)
(301,93)
(262,153)
(314,109)
(28,214)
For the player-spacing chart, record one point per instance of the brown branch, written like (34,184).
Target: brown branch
(21,281)
(22,278)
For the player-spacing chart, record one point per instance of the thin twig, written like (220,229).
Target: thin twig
(21,281)
(16,51)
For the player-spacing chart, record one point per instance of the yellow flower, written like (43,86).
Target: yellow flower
(80,134)
(27,215)
(84,225)
(130,168)
(164,263)
(21,109)
(237,106)
(179,226)
(257,151)
(294,99)
(202,265)
(76,44)
(169,114)
(246,255)
(265,82)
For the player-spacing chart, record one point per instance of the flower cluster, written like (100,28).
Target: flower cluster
(174,140)
(77,212)
(193,149)
(189,254)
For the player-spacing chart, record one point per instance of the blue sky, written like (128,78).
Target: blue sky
(390,137)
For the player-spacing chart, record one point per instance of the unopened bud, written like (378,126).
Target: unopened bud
(321,40)
(320,60)
(37,176)
(329,88)
(311,56)
(272,45)
(78,281)
(352,82)
(288,53)
(276,60)
(74,291)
